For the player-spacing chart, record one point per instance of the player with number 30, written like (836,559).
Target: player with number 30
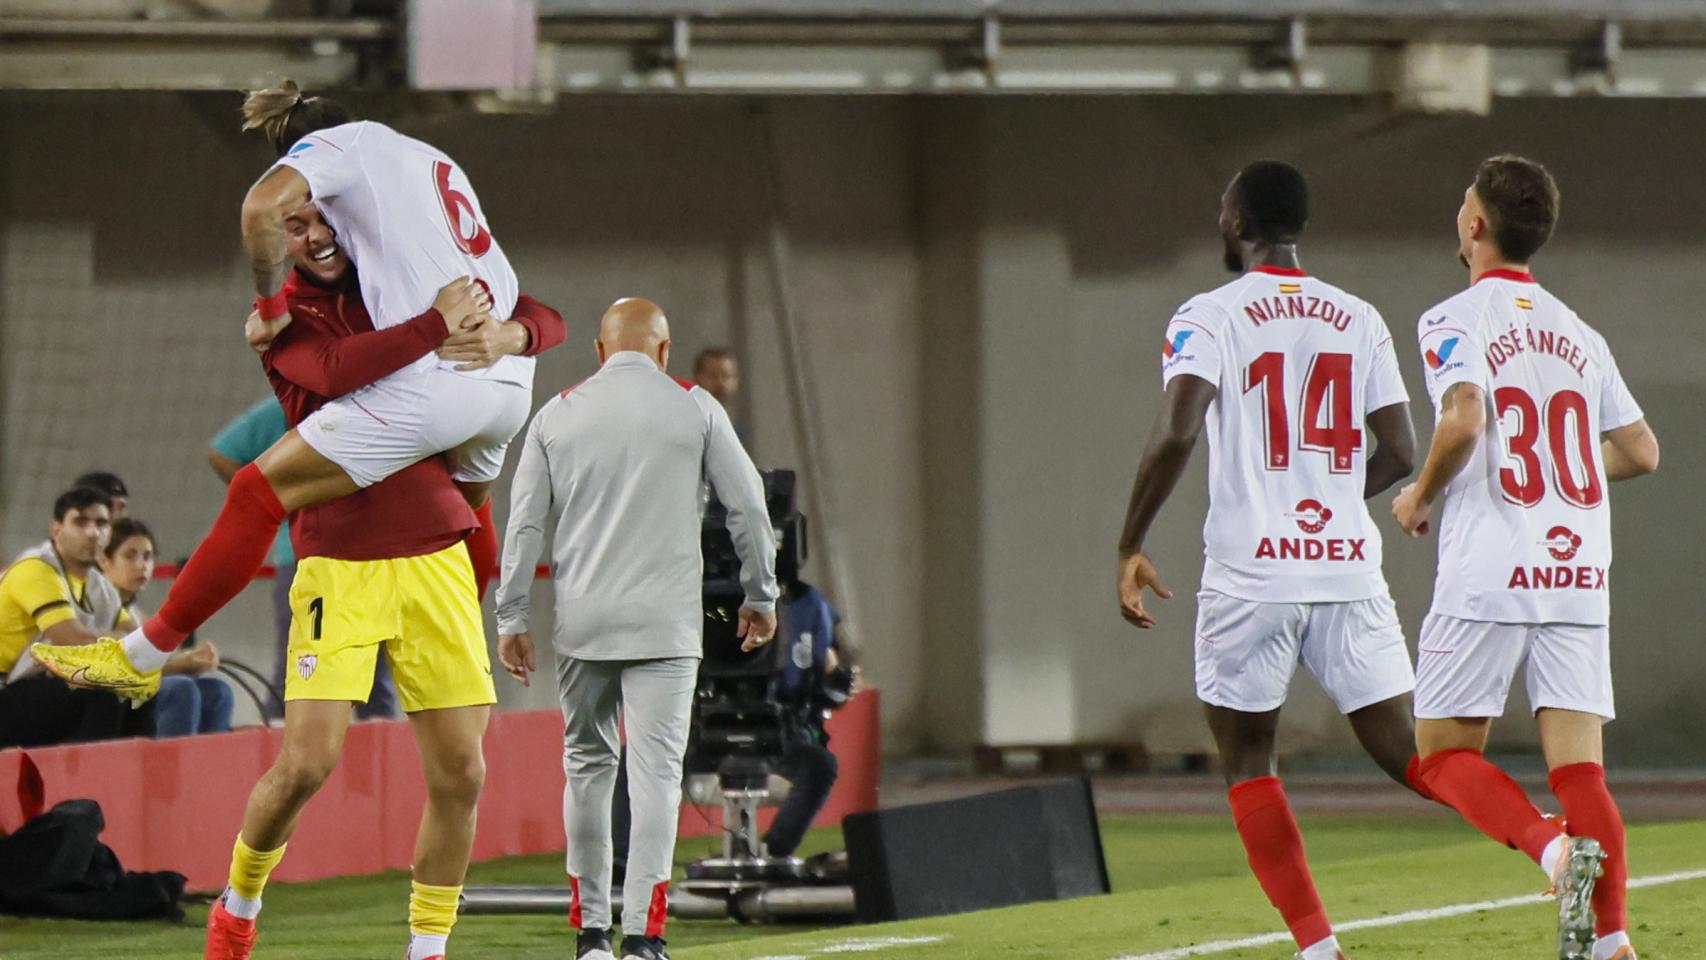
(1534,420)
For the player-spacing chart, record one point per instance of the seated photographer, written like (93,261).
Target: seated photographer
(816,679)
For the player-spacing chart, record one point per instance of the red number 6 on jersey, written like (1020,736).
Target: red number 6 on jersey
(459,213)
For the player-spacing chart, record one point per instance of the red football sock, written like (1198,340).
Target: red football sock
(1592,813)
(224,563)
(1275,850)
(1413,777)
(483,548)
(1489,799)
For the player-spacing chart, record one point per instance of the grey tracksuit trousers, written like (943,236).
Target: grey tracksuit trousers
(611,475)
(655,698)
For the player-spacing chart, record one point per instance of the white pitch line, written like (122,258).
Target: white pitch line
(1396,919)
(859,945)
(873,944)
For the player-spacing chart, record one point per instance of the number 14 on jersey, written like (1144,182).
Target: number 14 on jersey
(1326,393)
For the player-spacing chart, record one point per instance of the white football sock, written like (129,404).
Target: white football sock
(1327,949)
(1609,944)
(425,946)
(1551,855)
(144,655)
(240,906)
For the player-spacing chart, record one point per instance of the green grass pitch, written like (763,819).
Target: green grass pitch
(1177,881)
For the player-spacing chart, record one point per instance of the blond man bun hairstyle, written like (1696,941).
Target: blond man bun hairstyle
(285,116)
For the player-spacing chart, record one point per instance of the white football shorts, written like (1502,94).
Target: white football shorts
(1464,668)
(1247,651)
(416,413)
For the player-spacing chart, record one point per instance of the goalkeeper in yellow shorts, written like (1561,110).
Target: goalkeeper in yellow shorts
(387,566)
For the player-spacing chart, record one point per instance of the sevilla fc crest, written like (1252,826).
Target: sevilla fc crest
(305,665)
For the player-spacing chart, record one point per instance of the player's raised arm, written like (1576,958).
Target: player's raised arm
(1171,441)
(286,117)
(273,196)
(1462,420)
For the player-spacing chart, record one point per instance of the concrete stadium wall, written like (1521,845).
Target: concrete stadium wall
(981,282)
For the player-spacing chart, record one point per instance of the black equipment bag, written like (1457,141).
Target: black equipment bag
(57,866)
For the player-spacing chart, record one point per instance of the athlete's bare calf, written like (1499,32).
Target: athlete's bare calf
(1246,741)
(455,771)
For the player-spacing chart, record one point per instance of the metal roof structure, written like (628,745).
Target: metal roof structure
(1423,54)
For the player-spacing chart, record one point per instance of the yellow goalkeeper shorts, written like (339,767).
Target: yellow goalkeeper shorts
(425,612)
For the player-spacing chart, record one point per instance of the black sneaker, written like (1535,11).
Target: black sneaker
(644,948)
(593,945)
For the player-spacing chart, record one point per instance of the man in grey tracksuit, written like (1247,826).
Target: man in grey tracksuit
(616,464)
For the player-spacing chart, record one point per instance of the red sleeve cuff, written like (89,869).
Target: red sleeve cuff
(275,306)
(545,326)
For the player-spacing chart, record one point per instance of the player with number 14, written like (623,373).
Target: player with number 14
(1289,372)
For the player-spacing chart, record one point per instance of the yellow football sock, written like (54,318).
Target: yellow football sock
(250,868)
(432,910)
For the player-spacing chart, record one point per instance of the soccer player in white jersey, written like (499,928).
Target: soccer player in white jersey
(1291,374)
(1533,421)
(406,215)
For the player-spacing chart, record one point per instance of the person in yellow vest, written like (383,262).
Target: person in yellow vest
(55,592)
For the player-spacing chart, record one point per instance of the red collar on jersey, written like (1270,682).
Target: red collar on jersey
(1516,275)
(1278,271)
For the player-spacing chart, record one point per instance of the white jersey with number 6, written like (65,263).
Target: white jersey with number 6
(1298,365)
(1525,528)
(407,216)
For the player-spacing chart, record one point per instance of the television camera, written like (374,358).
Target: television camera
(743,724)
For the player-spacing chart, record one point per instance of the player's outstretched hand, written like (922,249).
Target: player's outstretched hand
(755,629)
(1136,572)
(460,302)
(1411,511)
(515,652)
(261,333)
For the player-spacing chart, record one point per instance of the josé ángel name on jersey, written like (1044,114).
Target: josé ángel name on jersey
(1525,527)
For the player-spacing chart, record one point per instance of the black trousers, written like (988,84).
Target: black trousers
(43,711)
(810,770)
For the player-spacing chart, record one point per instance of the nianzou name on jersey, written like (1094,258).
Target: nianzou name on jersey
(1265,309)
